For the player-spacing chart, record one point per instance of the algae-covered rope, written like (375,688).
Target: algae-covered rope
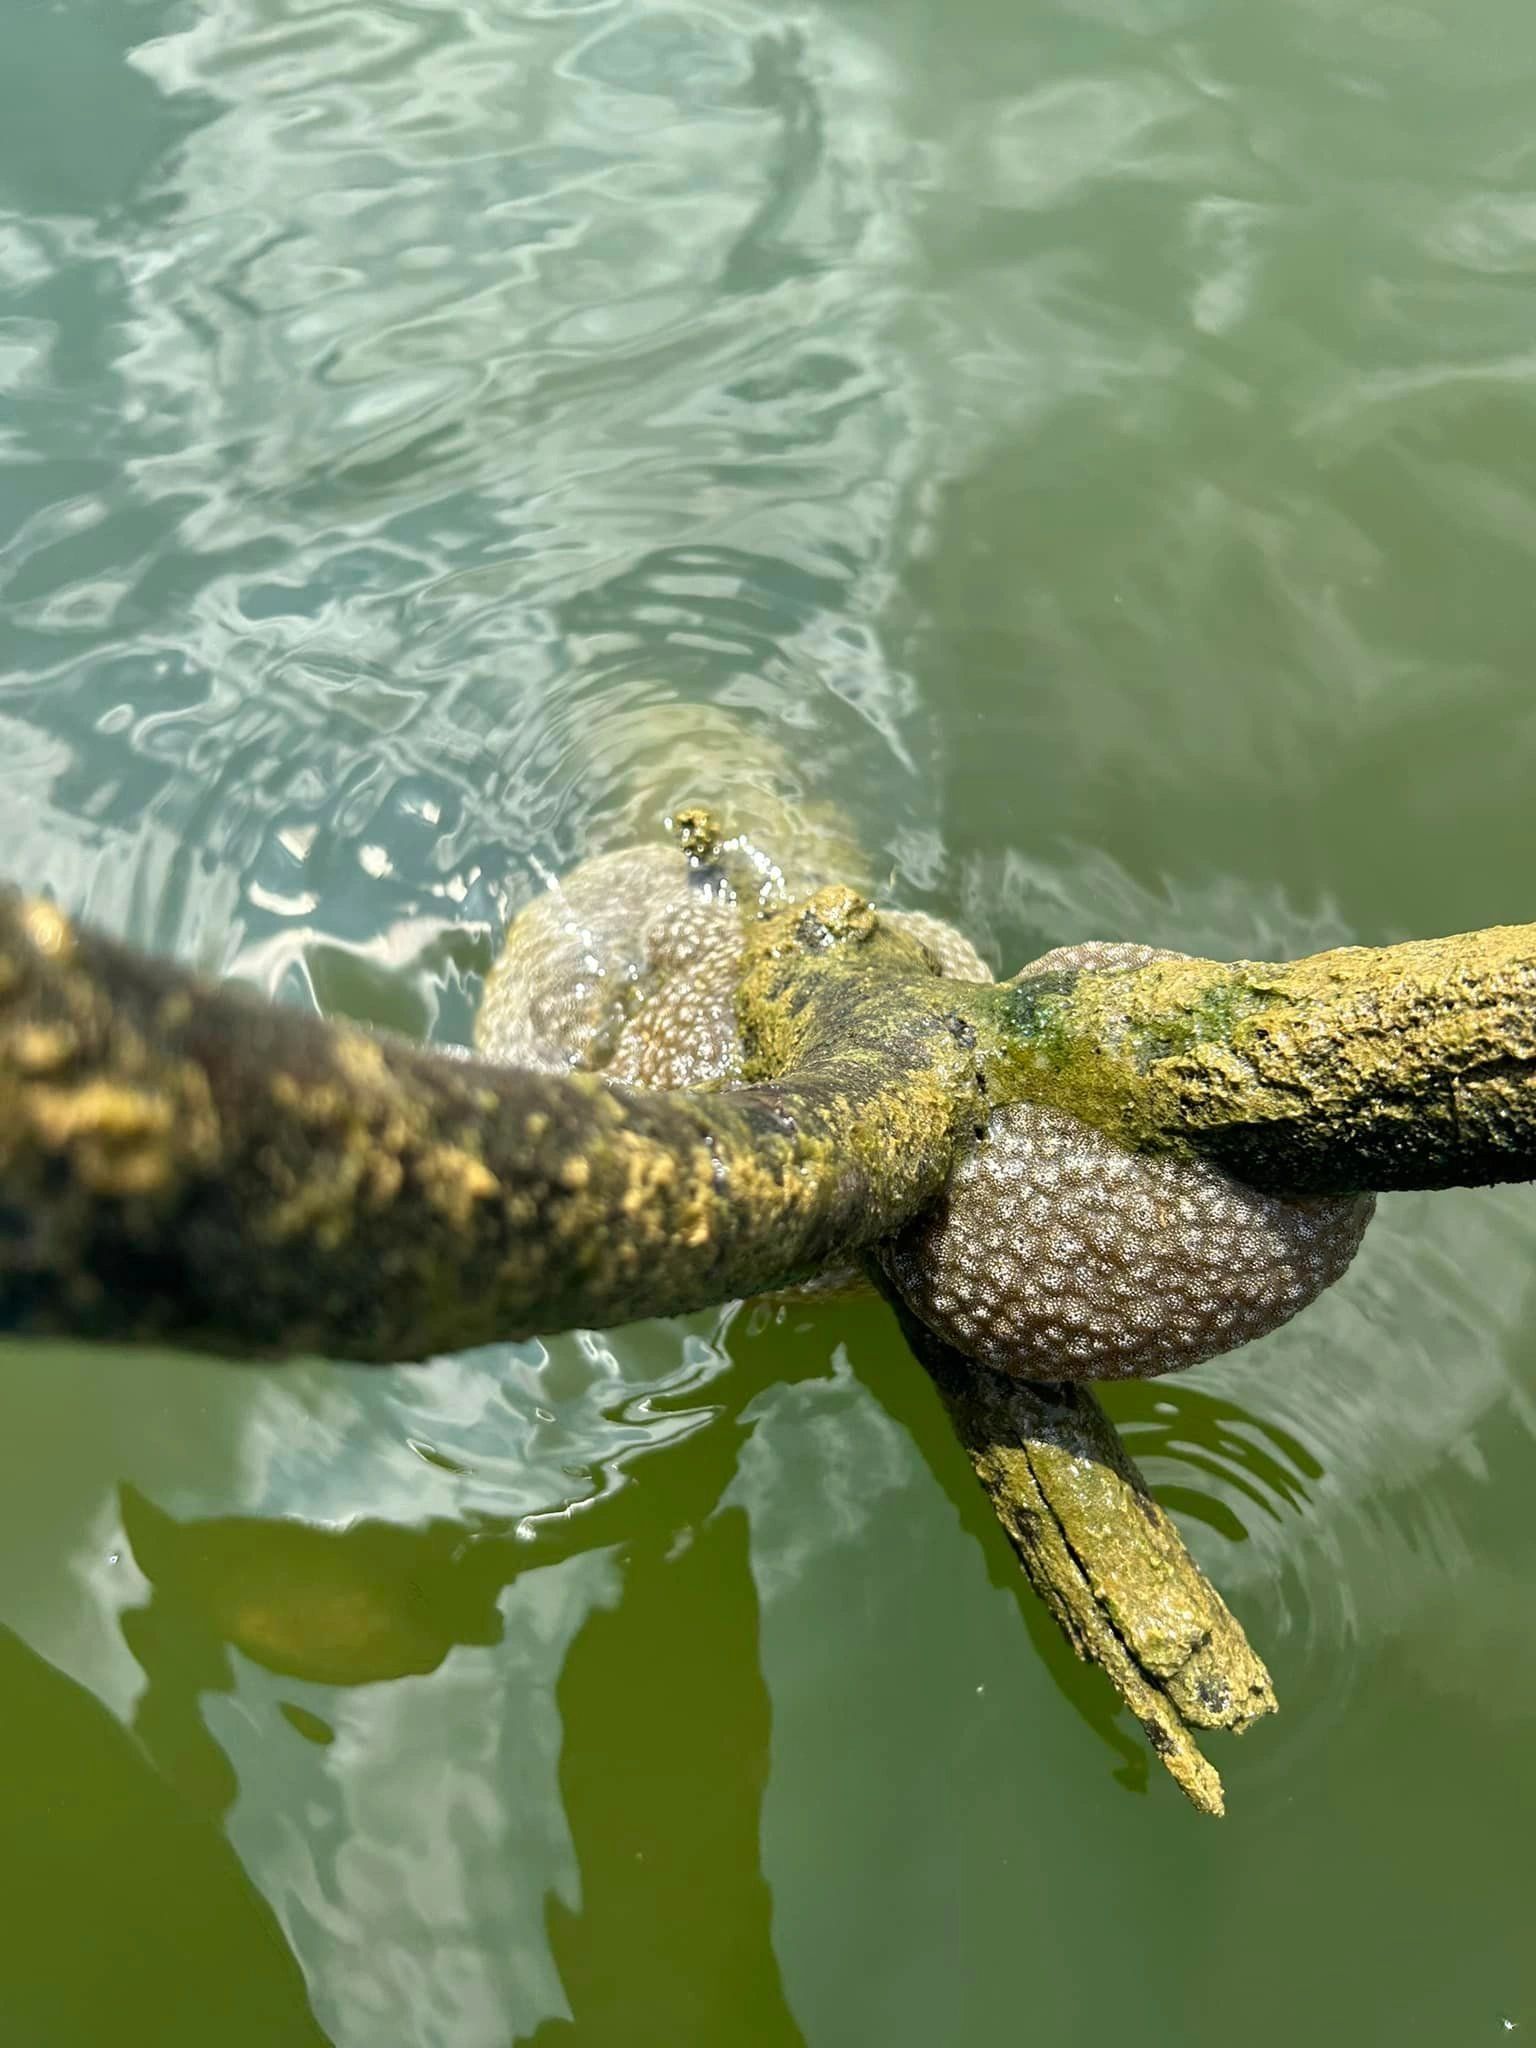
(184,1162)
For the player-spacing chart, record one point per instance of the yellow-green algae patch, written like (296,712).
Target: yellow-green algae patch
(1366,1067)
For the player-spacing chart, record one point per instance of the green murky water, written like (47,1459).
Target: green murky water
(1093,443)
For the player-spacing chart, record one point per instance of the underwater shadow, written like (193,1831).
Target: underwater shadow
(663,1791)
(124,1900)
(662,1770)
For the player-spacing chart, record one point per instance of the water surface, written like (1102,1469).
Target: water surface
(1090,446)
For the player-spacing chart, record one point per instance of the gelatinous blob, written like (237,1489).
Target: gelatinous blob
(1056,1254)
(952,951)
(629,967)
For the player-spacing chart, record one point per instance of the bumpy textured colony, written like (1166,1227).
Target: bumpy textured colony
(951,952)
(629,967)
(1055,1254)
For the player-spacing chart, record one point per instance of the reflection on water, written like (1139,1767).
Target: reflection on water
(1074,457)
(483,387)
(86,1810)
(659,1783)
(664,1797)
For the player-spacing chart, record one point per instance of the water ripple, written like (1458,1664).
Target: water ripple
(440,435)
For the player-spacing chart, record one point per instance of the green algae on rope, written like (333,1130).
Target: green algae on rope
(187,1163)
(1106,1560)
(183,1162)
(1408,1066)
